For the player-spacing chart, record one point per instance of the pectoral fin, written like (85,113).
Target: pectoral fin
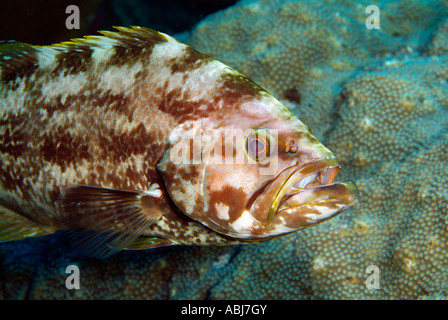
(103,221)
(149,243)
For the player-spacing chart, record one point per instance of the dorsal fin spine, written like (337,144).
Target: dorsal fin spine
(19,59)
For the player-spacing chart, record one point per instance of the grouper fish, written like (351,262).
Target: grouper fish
(133,140)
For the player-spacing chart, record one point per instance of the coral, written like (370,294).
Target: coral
(412,19)
(302,51)
(388,112)
(392,136)
(439,43)
(375,101)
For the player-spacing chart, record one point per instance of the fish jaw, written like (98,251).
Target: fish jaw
(308,207)
(309,196)
(300,197)
(322,170)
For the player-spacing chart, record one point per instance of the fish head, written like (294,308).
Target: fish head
(254,174)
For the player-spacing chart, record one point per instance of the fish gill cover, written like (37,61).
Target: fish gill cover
(376,98)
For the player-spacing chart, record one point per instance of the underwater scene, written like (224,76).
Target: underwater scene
(224,150)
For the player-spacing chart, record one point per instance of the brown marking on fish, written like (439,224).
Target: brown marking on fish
(236,89)
(191,61)
(182,174)
(54,105)
(34,90)
(73,61)
(63,148)
(53,193)
(13,147)
(8,181)
(179,104)
(192,174)
(14,140)
(120,103)
(133,45)
(22,67)
(133,175)
(154,153)
(141,75)
(231,197)
(120,146)
(113,180)
(12,77)
(123,55)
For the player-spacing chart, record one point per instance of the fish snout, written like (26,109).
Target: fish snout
(308,207)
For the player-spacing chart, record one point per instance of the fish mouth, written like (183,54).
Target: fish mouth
(309,190)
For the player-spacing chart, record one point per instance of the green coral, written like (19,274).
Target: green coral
(377,98)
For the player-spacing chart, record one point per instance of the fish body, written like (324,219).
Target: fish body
(124,140)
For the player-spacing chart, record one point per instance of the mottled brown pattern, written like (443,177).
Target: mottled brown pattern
(30,85)
(133,45)
(152,155)
(141,75)
(178,104)
(8,178)
(137,36)
(121,146)
(192,60)
(13,146)
(236,89)
(231,197)
(191,174)
(13,140)
(123,55)
(51,106)
(16,69)
(26,70)
(63,148)
(73,61)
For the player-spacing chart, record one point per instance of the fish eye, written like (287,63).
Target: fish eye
(258,145)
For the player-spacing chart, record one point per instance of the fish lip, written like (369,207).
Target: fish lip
(316,205)
(326,168)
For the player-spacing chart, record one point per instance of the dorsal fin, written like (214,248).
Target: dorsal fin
(137,35)
(125,37)
(17,59)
